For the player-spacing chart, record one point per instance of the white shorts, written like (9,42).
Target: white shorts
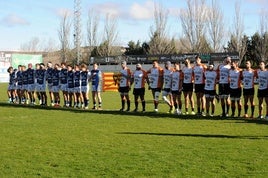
(84,89)
(55,89)
(11,87)
(64,87)
(40,88)
(19,87)
(24,87)
(166,93)
(70,90)
(31,87)
(49,87)
(77,90)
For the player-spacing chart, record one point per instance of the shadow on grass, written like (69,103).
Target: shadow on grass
(138,114)
(194,135)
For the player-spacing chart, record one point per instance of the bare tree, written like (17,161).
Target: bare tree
(92,28)
(263,22)
(160,43)
(110,36)
(31,46)
(264,34)
(193,21)
(238,33)
(215,26)
(64,36)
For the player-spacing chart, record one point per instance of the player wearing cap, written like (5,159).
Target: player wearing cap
(124,85)
(139,77)
(187,85)
(262,76)
(167,77)
(248,76)
(223,73)
(210,89)
(235,80)
(199,83)
(176,87)
(156,82)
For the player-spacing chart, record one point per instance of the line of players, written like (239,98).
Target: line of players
(27,84)
(172,81)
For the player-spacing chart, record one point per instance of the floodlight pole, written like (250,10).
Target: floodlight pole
(77,29)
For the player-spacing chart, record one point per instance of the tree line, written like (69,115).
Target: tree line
(203,30)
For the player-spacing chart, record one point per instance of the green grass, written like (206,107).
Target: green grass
(49,142)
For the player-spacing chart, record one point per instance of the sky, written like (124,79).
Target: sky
(23,20)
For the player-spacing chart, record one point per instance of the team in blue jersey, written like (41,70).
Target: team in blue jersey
(28,85)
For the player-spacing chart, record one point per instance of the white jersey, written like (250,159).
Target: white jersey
(248,79)
(187,75)
(167,78)
(156,77)
(176,78)
(210,80)
(262,79)
(125,75)
(235,79)
(199,74)
(223,72)
(139,78)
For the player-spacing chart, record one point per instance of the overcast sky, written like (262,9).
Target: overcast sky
(22,20)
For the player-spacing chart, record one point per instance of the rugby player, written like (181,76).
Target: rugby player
(124,85)
(139,79)
(199,84)
(210,89)
(235,83)
(156,82)
(262,76)
(176,87)
(223,87)
(248,76)
(187,86)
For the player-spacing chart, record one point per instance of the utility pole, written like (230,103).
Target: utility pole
(77,29)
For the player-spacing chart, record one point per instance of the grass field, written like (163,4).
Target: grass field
(56,142)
